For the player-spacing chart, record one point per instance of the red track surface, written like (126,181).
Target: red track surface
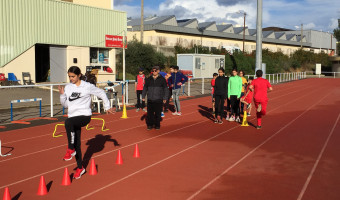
(294,156)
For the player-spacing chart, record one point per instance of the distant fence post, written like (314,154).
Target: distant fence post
(202,85)
(51,98)
(189,80)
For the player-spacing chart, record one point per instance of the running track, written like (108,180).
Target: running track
(294,156)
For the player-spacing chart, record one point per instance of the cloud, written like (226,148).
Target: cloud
(314,14)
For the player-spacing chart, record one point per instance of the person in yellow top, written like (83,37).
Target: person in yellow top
(244,86)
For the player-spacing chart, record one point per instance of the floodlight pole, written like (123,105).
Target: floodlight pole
(244,28)
(259,35)
(142,21)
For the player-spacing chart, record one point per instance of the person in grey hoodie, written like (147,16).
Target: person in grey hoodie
(156,90)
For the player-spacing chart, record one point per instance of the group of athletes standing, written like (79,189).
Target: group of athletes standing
(239,92)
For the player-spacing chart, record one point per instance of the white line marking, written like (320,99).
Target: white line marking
(252,151)
(193,146)
(50,171)
(317,161)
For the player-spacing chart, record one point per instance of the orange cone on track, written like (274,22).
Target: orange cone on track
(7,195)
(93,169)
(42,190)
(119,160)
(136,153)
(66,179)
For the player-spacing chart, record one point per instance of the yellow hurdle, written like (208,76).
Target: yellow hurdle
(87,127)
(244,121)
(103,126)
(55,130)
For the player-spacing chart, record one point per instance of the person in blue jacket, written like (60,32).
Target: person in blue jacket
(176,81)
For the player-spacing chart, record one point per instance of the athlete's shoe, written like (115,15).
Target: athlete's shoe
(179,113)
(248,114)
(258,127)
(227,118)
(215,121)
(137,110)
(149,128)
(174,113)
(79,172)
(238,119)
(232,118)
(157,127)
(69,154)
(220,122)
(162,114)
(248,106)
(145,110)
(259,108)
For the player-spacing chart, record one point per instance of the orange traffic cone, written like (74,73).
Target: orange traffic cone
(66,179)
(119,160)
(136,153)
(7,195)
(42,190)
(93,169)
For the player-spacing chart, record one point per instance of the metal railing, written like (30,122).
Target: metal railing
(194,87)
(324,74)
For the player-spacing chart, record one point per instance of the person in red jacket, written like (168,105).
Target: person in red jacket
(212,91)
(260,87)
(139,85)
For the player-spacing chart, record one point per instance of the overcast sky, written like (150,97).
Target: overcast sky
(314,14)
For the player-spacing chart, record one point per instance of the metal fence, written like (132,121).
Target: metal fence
(51,104)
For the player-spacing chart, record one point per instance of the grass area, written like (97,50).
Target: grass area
(128,76)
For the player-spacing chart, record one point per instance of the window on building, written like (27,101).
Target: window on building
(217,63)
(99,56)
(198,63)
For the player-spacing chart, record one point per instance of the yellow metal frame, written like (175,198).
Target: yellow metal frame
(87,127)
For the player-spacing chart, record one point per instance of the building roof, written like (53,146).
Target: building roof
(210,29)
(150,20)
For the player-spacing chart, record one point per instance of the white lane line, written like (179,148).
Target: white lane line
(317,161)
(193,146)
(99,155)
(252,151)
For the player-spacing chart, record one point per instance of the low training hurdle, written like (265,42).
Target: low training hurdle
(87,127)
(3,155)
(25,100)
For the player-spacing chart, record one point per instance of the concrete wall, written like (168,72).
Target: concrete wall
(23,63)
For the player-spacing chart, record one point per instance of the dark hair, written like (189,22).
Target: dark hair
(234,70)
(88,77)
(215,74)
(172,67)
(251,78)
(259,73)
(222,69)
(242,72)
(176,67)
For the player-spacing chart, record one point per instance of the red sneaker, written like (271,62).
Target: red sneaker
(69,154)
(79,172)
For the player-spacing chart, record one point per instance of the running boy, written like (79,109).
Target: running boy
(176,80)
(234,94)
(139,84)
(212,91)
(260,86)
(76,96)
(248,96)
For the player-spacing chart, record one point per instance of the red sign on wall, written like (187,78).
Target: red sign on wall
(114,41)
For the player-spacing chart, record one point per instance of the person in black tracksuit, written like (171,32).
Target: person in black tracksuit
(220,94)
(157,91)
